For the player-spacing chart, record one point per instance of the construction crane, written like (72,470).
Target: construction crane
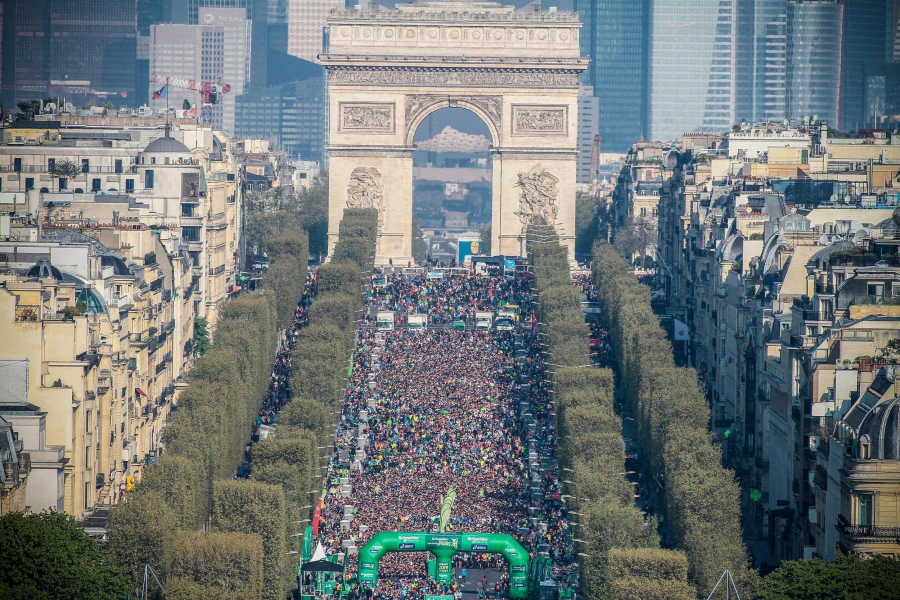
(209,90)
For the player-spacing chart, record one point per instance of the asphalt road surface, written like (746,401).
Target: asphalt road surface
(473,581)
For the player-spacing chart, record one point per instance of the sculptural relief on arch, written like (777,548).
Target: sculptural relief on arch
(388,70)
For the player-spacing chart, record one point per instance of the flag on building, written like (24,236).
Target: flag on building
(161,92)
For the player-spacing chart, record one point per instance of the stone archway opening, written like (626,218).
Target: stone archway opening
(452,185)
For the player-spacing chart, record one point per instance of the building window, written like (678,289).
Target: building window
(118,166)
(166,160)
(129,186)
(190,234)
(63,184)
(95,184)
(148,179)
(87,495)
(29,183)
(85,165)
(876,289)
(51,164)
(17,165)
(865,448)
(864,503)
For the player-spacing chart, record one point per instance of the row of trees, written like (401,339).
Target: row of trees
(701,497)
(271,212)
(620,555)
(290,459)
(205,534)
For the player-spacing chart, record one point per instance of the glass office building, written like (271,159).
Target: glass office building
(614,37)
(867,49)
(813,44)
(292,116)
(692,67)
(768,59)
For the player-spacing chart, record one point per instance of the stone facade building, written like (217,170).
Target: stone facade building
(778,251)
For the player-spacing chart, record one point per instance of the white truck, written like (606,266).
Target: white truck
(483,320)
(417,322)
(385,321)
(505,321)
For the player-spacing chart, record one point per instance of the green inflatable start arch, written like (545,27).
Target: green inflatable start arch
(443,546)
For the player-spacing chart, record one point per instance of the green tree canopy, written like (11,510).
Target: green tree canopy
(50,554)
(844,578)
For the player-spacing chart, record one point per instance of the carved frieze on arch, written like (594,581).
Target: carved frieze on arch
(365,189)
(538,193)
(489,108)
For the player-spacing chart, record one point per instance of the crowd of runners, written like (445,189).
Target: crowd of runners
(430,409)
(449,298)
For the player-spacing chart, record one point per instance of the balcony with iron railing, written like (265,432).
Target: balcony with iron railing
(811,315)
(857,532)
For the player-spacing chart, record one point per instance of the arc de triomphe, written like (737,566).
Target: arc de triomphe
(388,70)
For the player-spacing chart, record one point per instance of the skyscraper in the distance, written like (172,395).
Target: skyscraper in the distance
(78,48)
(692,67)
(186,52)
(813,48)
(306,23)
(614,37)
(194,6)
(867,49)
(588,128)
(235,59)
(767,59)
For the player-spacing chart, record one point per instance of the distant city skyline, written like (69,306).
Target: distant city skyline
(659,68)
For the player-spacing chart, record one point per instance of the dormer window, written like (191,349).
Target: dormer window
(865,448)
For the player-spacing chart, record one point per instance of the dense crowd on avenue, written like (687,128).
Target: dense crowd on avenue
(451,297)
(439,410)
(601,348)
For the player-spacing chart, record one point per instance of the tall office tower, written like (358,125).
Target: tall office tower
(186,52)
(67,47)
(613,36)
(236,59)
(292,116)
(194,6)
(278,25)
(306,24)
(813,46)
(259,43)
(94,41)
(771,104)
(26,50)
(692,67)
(152,12)
(894,29)
(766,59)
(588,127)
(867,49)
(257,13)
(744,50)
